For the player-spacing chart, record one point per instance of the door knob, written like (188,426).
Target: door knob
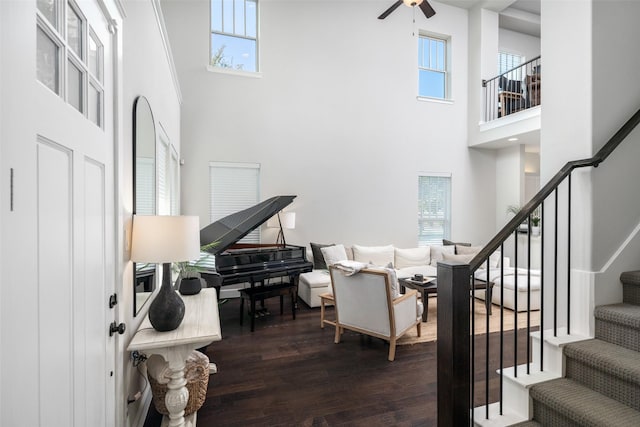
(113,328)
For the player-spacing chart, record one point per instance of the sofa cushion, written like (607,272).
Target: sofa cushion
(316,279)
(425,270)
(412,257)
(333,254)
(437,251)
(465,250)
(376,255)
(318,259)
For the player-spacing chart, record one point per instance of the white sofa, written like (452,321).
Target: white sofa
(406,262)
(423,260)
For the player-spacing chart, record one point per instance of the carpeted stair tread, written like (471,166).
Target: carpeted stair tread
(606,357)
(631,287)
(530,423)
(630,277)
(621,314)
(583,405)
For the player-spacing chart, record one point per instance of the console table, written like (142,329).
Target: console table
(200,327)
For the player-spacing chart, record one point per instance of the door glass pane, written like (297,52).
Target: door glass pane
(74,86)
(47,61)
(49,10)
(74,31)
(95,105)
(95,57)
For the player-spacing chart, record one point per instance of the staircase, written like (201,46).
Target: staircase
(601,386)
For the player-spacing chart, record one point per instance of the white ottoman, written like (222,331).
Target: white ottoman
(312,284)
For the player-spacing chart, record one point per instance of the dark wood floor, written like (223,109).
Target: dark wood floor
(290,373)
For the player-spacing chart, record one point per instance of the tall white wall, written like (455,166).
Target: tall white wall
(146,72)
(616,96)
(334,119)
(519,43)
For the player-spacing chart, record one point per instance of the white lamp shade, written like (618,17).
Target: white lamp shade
(288,220)
(162,239)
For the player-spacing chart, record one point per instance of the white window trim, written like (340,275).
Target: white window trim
(448,87)
(442,175)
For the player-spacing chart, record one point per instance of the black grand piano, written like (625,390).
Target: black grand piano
(255,264)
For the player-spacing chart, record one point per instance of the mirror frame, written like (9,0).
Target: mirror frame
(141,109)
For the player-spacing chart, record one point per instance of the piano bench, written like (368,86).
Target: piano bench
(264,292)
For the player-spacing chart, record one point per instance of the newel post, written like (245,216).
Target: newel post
(454,375)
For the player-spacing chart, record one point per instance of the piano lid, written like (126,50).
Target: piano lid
(234,227)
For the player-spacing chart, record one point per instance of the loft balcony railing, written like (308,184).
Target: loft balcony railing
(467,358)
(512,91)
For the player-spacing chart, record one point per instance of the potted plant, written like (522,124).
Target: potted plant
(535,219)
(189,281)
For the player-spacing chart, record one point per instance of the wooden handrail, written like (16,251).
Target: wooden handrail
(551,186)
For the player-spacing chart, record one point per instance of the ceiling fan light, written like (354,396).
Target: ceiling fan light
(412,3)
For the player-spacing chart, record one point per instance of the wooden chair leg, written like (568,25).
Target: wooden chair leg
(419,329)
(392,349)
(337,335)
(321,313)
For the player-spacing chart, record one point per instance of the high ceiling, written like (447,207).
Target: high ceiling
(522,16)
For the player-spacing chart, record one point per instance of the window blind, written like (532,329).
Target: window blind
(434,209)
(234,187)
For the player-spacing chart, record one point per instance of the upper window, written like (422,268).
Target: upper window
(434,209)
(432,67)
(508,61)
(234,34)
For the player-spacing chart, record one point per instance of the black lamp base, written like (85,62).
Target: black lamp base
(167,309)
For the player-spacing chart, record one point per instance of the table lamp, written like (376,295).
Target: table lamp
(282,220)
(165,239)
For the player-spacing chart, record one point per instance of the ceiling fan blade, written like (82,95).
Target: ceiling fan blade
(391,9)
(427,9)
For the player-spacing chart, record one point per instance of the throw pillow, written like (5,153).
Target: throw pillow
(465,258)
(438,251)
(446,242)
(413,257)
(318,259)
(376,255)
(464,250)
(494,259)
(333,254)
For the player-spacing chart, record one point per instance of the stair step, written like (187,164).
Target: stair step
(568,403)
(631,287)
(530,423)
(619,324)
(606,368)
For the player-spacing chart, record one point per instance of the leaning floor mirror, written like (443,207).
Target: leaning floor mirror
(144,191)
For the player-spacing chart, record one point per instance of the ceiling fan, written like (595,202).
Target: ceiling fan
(424,5)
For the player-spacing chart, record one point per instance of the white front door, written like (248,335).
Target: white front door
(58,215)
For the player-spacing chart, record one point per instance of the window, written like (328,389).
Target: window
(234,34)
(432,67)
(168,176)
(70,57)
(508,61)
(434,208)
(234,187)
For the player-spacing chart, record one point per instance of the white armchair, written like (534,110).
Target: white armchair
(367,302)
